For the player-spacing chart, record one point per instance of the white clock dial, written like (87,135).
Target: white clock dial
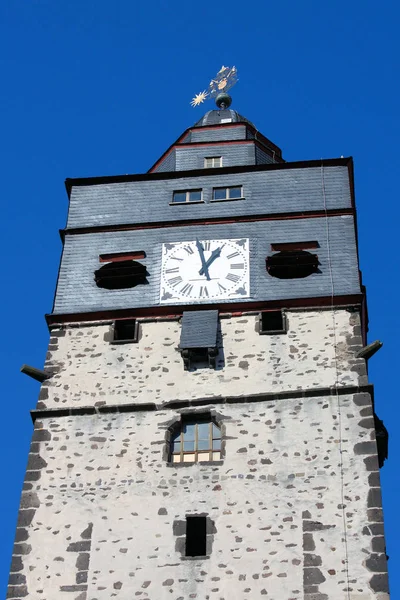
(205,270)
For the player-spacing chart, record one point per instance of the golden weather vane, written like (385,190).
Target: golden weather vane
(224,80)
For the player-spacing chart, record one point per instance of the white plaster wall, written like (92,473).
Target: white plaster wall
(318,349)
(289,463)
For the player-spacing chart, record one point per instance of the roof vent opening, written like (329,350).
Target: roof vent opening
(121,275)
(292,264)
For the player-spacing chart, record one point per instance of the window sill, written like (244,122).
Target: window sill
(124,341)
(195,557)
(273,332)
(203,463)
(183,203)
(227,199)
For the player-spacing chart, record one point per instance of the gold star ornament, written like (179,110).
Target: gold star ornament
(199,98)
(223,81)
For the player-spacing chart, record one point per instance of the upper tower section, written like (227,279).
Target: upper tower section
(221,220)
(221,138)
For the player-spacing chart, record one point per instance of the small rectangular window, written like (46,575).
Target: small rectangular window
(187,196)
(196,536)
(272,322)
(228,193)
(126,331)
(213,162)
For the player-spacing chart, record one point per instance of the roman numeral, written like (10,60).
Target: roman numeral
(176,258)
(188,249)
(187,289)
(207,246)
(237,266)
(232,277)
(221,288)
(203,292)
(233,254)
(174,270)
(174,281)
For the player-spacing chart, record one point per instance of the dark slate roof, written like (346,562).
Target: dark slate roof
(216,117)
(265,191)
(77,290)
(199,329)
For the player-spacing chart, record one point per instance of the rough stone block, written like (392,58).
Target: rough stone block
(374,498)
(312,560)
(377,563)
(17,591)
(378,544)
(379,582)
(25,517)
(36,462)
(365,448)
(308,542)
(312,576)
(16,579)
(82,562)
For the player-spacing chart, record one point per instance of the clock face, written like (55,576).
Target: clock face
(205,270)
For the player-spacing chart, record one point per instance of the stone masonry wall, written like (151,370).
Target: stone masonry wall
(89,370)
(294,508)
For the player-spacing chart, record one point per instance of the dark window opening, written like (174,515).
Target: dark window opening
(120,275)
(271,322)
(196,536)
(382,440)
(199,355)
(121,256)
(294,246)
(292,264)
(126,331)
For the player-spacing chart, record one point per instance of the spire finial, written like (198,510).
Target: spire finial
(224,80)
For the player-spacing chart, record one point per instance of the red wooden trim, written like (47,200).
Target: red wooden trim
(209,221)
(235,308)
(234,125)
(289,246)
(121,256)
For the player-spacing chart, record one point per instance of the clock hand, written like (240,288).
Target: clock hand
(214,254)
(204,267)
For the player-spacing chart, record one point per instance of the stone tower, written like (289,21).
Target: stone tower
(206,427)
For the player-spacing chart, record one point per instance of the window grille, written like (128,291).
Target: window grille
(213,162)
(196,441)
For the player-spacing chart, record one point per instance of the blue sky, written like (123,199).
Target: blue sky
(102,88)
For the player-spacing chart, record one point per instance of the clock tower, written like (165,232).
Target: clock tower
(206,428)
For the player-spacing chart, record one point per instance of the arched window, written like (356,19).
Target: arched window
(196,440)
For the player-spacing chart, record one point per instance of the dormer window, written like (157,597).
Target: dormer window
(228,193)
(213,162)
(186,196)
